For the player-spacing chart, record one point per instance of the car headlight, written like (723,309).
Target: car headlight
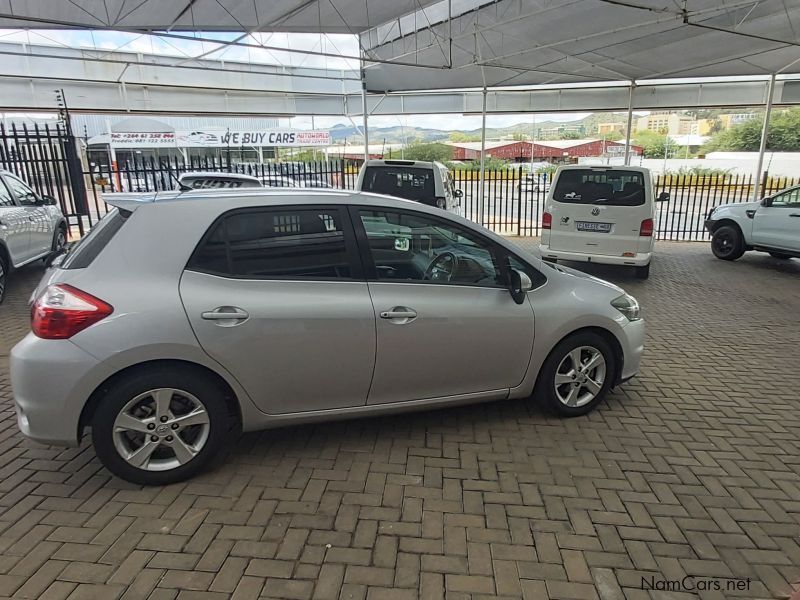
(628,306)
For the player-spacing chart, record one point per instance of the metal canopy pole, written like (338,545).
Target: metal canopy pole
(483,159)
(764,132)
(366,116)
(629,127)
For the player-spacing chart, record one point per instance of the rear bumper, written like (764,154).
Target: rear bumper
(641,259)
(49,381)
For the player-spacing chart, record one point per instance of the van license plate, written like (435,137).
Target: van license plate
(596,227)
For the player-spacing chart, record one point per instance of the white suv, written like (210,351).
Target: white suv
(418,180)
(772,225)
(31,226)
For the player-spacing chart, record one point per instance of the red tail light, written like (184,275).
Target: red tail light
(646,229)
(547,220)
(61,311)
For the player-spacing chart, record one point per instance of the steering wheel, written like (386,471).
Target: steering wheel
(442,267)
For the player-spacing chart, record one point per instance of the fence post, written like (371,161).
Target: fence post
(764,179)
(519,202)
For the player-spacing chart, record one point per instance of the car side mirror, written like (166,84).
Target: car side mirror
(519,285)
(766,201)
(663,197)
(48,201)
(458,193)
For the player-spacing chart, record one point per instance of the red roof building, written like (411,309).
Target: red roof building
(553,151)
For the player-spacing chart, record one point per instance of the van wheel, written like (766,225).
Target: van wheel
(160,426)
(643,272)
(577,375)
(727,243)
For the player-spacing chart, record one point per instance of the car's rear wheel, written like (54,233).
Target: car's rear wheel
(577,375)
(727,243)
(643,272)
(3,277)
(780,255)
(161,426)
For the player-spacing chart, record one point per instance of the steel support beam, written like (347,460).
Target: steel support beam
(482,176)
(629,126)
(764,133)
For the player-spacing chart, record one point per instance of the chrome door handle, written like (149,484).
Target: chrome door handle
(399,313)
(232,314)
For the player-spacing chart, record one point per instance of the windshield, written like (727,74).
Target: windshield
(613,187)
(411,183)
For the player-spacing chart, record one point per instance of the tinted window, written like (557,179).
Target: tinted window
(598,186)
(307,243)
(413,247)
(411,183)
(788,199)
(81,254)
(24,194)
(5,196)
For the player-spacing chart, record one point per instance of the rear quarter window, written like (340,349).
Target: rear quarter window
(598,186)
(81,254)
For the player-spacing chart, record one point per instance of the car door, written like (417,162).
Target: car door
(40,224)
(446,325)
(778,224)
(14,226)
(276,295)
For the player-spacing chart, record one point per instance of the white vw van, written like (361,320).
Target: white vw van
(601,214)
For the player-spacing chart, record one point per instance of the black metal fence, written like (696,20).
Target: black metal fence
(46,158)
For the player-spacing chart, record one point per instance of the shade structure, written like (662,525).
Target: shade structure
(454,44)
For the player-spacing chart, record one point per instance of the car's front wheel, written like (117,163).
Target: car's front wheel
(577,375)
(160,426)
(727,243)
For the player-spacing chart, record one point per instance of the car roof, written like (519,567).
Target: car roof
(603,168)
(396,162)
(250,197)
(218,174)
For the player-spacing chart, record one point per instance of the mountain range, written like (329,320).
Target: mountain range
(397,134)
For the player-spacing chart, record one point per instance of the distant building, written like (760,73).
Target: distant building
(666,122)
(732,119)
(555,151)
(609,128)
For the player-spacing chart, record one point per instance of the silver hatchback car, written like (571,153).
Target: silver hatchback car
(175,324)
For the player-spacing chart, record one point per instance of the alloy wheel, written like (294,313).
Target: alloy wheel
(580,376)
(161,429)
(723,243)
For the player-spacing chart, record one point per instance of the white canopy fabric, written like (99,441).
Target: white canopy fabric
(425,45)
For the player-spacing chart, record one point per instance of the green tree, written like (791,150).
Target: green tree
(519,136)
(653,144)
(570,135)
(783,134)
(429,151)
(460,136)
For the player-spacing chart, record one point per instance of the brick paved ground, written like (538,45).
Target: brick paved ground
(691,469)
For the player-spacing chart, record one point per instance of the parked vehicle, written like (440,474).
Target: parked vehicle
(31,226)
(219,180)
(260,309)
(421,181)
(771,225)
(601,215)
(278,181)
(313,182)
(532,182)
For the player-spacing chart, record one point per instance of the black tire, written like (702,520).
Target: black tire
(3,276)
(546,389)
(643,272)
(780,255)
(196,383)
(727,243)
(58,245)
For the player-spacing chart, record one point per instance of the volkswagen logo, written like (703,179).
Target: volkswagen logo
(595,211)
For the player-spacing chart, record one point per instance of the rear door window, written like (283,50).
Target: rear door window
(285,243)
(612,187)
(411,183)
